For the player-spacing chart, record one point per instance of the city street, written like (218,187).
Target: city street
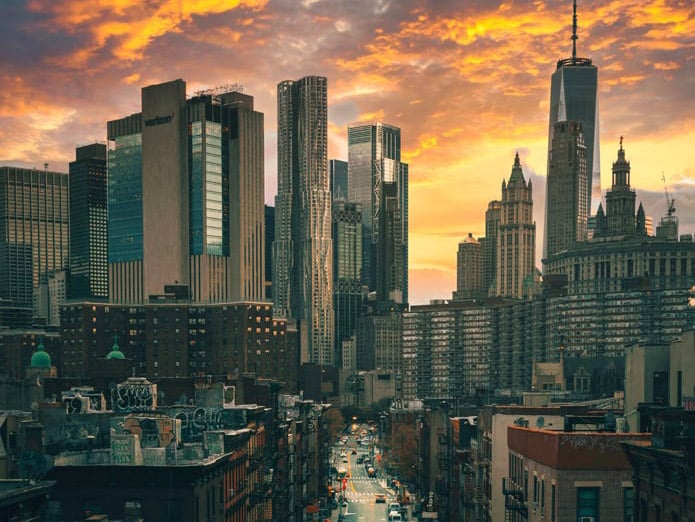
(359,500)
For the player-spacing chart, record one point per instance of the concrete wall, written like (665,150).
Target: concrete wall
(683,361)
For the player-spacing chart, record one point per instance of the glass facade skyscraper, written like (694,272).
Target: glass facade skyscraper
(574,97)
(378,181)
(186,197)
(88,223)
(303,251)
(34,230)
(347,270)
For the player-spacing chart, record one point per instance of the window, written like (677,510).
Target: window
(628,510)
(588,503)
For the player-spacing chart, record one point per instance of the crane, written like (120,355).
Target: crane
(670,202)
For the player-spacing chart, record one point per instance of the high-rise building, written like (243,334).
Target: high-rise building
(339,178)
(489,243)
(34,230)
(566,213)
(302,251)
(574,97)
(378,180)
(469,269)
(347,270)
(185,192)
(516,240)
(269,238)
(89,267)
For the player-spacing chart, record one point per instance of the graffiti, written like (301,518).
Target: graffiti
(196,421)
(153,432)
(591,443)
(134,395)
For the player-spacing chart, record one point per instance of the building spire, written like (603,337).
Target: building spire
(574,31)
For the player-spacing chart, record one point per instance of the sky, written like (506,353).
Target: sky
(467,82)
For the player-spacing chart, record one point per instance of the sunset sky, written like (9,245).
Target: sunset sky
(466,81)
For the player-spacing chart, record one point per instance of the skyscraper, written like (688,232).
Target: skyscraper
(378,180)
(302,251)
(469,269)
(186,197)
(574,97)
(347,270)
(339,178)
(489,244)
(566,211)
(516,240)
(34,230)
(88,224)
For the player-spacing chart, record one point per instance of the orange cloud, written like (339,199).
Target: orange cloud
(127,27)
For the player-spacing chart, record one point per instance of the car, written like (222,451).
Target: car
(354,452)
(380,498)
(395,516)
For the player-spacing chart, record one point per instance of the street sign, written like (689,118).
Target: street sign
(429,514)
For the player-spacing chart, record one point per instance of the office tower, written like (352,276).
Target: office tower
(347,270)
(185,194)
(269,238)
(516,240)
(34,230)
(339,178)
(469,269)
(379,182)
(566,213)
(574,97)
(246,196)
(302,252)
(489,244)
(89,267)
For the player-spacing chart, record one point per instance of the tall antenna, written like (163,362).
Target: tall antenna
(574,31)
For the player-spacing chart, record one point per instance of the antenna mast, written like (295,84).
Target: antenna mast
(574,31)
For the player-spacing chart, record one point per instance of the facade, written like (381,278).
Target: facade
(34,231)
(566,210)
(347,270)
(378,180)
(556,475)
(574,97)
(338,172)
(186,179)
(663,472)
(89,268)
(469,269)
(493,215)
(379,342)
(516,240)
(302,251)
(269,238)
(447,350)
(178,340)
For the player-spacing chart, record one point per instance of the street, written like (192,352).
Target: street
(360,498)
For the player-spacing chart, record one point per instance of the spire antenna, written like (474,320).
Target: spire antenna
(574,31)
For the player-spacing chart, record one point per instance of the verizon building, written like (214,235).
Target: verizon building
(178,173)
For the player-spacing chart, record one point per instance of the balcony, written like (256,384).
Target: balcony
(514,499)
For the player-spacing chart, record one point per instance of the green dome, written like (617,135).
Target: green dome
(40,359)
(115,352)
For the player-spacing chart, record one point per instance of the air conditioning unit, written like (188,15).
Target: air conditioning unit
(587,519)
